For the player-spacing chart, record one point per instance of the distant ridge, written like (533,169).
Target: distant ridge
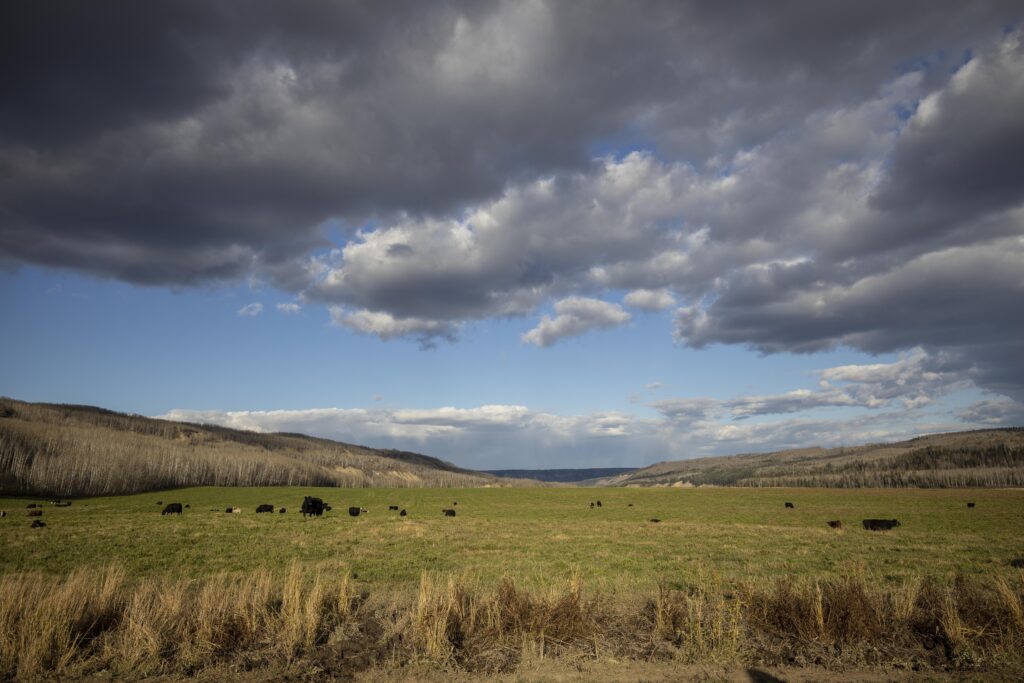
(980,458)
(564,476)
(74,450)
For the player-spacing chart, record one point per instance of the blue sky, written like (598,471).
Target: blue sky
(524,234)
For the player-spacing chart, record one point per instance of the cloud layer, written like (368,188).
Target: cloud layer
(858,184)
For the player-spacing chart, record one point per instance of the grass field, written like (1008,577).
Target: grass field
(728,576)
(538,536)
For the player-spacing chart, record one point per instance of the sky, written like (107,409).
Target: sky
(519,234)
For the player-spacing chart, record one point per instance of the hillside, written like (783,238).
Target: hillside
(68,450)
(985,458)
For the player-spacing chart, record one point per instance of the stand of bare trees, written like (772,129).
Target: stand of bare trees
(83,451)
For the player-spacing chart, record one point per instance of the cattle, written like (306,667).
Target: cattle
(35,513)
(354,511)
(970,505)
(228,510)
(38,524)
(880,524)
(448,512)
(598,503)
(282,511)
(591,505)
(392,507)
(629,505)
(1017,562)
(790,506)
(312,507)
(836,524)
(455,503)
(655,520)
(172,509)
(264,508)
(31,505)
(3,513)
(236,511)
(402,513)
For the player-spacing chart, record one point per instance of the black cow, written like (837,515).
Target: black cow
(229,510)
(790,506)
(266,507)
(172,509)
(402,513)
(282,511)
(38,524)
(392,507)
(448,512)
(970,505)
(455,503)
(880,524)
(312,506)
(1017,562)
(591,505)
(598,503)
(836,524)
(655,520)
(35,513)
(354,511)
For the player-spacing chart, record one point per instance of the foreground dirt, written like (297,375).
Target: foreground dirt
(608,671)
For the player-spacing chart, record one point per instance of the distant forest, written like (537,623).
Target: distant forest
(564,476)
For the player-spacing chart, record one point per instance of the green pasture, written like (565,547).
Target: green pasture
(539,536)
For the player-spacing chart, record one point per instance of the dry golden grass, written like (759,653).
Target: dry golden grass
(91,621)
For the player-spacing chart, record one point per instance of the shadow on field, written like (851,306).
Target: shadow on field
(758,676)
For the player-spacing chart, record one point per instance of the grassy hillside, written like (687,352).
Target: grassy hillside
(66,450)
(986,458)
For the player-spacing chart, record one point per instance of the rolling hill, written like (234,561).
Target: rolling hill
(70,450)
(992,457)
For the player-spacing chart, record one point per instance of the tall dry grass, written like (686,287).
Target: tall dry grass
(102,620)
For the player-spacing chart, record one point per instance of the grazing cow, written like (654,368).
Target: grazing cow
(312,506)
(35,513)
(448,512)
(790,506)
(402,513)
(598,503)
(264,508)
(172,509)
(1017,562)
(282,511)
(880,524)
(38,524)
(392,507)
(591,505)
(655,520)
(836,524)
(354,511)
(970,505)
(228,510)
